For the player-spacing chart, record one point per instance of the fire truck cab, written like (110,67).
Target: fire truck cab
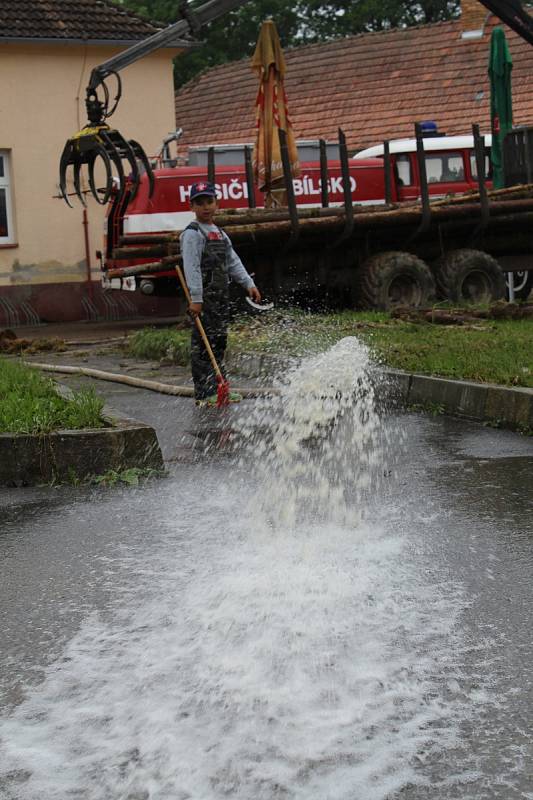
(450,165)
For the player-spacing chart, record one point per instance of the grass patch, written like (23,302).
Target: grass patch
(29,403)
(493,351)
(158,343)
(490,351)
(499,352)
(128,477)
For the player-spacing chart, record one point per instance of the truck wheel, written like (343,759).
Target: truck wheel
(395,279)
(523,284)
(469,276)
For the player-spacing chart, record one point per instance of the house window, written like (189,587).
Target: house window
(7,234)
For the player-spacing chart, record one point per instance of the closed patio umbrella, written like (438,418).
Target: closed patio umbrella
(501,101)
(271,115)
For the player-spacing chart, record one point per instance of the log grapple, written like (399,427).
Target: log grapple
(122,160)
(100,147)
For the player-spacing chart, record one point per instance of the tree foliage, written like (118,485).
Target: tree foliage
(233,37)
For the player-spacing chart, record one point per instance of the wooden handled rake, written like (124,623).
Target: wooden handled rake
(222,383)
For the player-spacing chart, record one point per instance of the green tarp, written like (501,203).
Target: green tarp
(501,101)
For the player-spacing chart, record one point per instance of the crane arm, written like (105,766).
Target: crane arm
(191,22)
(97,143)
(514,15)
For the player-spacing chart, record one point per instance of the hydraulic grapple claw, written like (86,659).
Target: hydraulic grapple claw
(63,164)
(110,146)
(143,158)
(104,197)
(77,185)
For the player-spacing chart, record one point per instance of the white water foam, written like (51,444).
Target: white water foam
(282,650)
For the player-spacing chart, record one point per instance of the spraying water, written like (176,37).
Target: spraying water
(272,642)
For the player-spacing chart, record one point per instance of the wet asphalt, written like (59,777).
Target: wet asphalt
(469,489)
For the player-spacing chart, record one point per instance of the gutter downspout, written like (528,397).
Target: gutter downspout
(85,223)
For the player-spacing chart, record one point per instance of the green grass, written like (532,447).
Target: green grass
(492,351)
(29,403)
(133,476)
(499,352)
(158,343)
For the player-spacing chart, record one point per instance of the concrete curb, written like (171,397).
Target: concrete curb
(500,406)
(258,365)
(27,460)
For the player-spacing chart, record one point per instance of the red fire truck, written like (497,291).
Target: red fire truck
(379,263)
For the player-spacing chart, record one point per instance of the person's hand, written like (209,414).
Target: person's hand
(195,309)
(254,294)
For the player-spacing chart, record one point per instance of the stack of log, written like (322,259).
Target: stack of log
(261,226)
(463,316)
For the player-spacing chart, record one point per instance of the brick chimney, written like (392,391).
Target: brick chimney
(473,18)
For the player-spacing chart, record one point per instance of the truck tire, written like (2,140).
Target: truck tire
(523,284)
(395,279)
(469,276)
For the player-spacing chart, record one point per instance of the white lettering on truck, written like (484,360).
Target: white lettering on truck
(238,190)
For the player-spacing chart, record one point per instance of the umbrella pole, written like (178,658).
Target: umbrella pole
(222,383)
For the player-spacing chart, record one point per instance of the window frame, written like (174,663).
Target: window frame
(404,159)
(444,156)
(7,185)
(487,162)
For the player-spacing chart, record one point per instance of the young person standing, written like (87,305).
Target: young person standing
(209,262)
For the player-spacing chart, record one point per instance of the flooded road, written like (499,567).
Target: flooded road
(323,605)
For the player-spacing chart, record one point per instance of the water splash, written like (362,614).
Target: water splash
(281,648)
(324,450)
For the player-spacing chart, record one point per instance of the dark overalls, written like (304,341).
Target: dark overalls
(215,315)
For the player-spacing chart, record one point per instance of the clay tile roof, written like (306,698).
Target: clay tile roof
(373,85)
(70,19)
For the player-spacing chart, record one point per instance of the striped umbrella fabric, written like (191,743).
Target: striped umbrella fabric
(272,114)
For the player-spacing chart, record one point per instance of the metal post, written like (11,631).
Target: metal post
(510,283)
(422,173)
(387,168)
(479,152)
(347,192)
(88,267)
(324,195)
(345,172)
(289,188)
(211,165)
(249,177)
(528,141)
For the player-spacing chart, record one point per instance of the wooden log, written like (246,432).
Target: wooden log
(257,226)
(129,253)
(271,215)
(460,316)
(525,190)
(282,214)
(145,269)
(150,238)
(400,217)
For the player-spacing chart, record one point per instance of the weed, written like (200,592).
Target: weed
(131,477)
(429,407)
(157,343)
(29,403)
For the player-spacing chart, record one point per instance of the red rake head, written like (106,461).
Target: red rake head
(222,391)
